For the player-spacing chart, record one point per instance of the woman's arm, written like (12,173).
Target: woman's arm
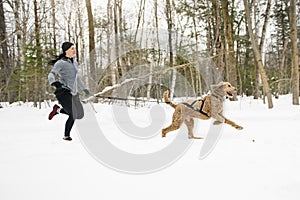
(51,76)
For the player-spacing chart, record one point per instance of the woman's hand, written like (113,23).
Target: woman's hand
(56,84)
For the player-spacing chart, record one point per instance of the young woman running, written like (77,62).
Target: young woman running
(66,92)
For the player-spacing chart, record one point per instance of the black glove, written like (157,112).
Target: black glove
(86,92)
(56,84)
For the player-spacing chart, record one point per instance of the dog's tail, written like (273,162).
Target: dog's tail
(167,100)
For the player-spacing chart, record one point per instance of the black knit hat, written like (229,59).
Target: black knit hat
(66,45)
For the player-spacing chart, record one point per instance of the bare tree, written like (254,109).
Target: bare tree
(257,55)
(53,11)
(92,49)
(218,42)
(265,25)
(156,25)
(169,18)
(108,35)
(18,55)
(295,56)
(140,17)
(261,46)
(80,39)
(4,57)
(117,34)
(281,68)
(229,47)
(38,63)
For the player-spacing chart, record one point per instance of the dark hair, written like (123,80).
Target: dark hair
(65,46)
(52,62)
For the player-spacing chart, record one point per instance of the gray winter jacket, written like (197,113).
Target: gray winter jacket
(68,75)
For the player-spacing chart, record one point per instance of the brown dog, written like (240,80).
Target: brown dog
(205,108)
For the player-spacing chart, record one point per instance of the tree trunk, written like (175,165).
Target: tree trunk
(117,42)
(261,46)
(122,49)
(157,31)
(92,49)
(256,68)
(171,56)
(257,55)
(150,80)
(81,42)
(108,35)
(218,43)
(295,56)
(140,17)
(6,67)
(19,56)
(281,68)
(53,23)
(264,29)
(38,68)
(157,27)
(229,48)
(195,24)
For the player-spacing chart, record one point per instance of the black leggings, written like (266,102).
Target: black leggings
(71,106)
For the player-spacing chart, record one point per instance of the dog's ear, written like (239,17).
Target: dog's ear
(215,86)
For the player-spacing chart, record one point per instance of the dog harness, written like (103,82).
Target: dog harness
(195,109)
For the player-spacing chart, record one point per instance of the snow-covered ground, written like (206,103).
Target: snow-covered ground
(262,161)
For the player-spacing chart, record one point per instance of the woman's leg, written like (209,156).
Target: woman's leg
(68,126)
(77,109)
(65,99)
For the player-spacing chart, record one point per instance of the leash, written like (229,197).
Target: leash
(127,99)
(92,98)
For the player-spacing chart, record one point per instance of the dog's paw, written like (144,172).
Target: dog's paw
(239,127)
(217,122)
(195,137)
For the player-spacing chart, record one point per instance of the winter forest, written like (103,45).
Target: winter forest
(253,44)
